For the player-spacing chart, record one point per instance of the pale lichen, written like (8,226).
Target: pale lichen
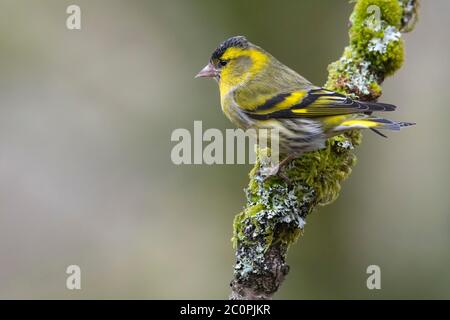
(275,212)
(380,45)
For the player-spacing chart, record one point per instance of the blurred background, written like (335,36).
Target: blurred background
(85,171)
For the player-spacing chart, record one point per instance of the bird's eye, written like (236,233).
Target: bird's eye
(223,63)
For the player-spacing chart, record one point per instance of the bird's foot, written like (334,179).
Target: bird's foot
(270,171)
(276,170)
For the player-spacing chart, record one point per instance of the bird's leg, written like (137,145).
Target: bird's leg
(277,169)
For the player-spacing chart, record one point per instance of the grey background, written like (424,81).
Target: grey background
(85,171)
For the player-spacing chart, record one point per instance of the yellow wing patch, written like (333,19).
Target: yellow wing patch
(302,110)
(361,123)
(291,100)
(269,106)
(266,104)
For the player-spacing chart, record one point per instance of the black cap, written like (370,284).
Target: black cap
(233,42)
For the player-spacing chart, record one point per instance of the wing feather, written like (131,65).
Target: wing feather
(313,103)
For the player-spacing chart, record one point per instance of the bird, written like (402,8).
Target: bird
(259,92)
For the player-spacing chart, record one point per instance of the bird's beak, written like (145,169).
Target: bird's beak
(208,71)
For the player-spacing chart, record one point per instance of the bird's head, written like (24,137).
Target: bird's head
(234,62)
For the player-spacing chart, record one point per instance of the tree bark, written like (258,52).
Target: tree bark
(275,213)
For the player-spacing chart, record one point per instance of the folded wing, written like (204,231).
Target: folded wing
(313,103)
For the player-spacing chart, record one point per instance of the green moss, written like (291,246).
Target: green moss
(238,224)
(272,203)
(378,42)
(390,10)
(375,51)
(274,215)
(324,170)
(275,211)
(392,60)
(375,90)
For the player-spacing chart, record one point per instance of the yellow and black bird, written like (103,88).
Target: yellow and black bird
(257,91)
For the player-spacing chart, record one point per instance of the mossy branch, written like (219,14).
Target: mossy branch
(275,213)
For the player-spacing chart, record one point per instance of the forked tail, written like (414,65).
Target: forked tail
(373,123)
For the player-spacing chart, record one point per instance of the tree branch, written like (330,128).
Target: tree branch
(275,212)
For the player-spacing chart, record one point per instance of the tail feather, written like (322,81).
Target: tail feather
(372,123)
(406,124)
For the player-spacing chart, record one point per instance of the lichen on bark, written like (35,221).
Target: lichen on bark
(275,212)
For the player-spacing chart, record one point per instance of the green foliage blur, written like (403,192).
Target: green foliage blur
(85,171)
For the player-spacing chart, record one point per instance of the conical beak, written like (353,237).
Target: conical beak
(208,71)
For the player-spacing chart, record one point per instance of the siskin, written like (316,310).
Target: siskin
(259,92)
